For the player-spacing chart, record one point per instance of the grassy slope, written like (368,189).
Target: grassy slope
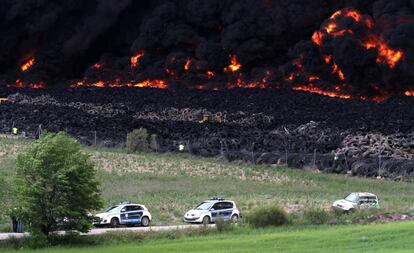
(171,184)
(396,238)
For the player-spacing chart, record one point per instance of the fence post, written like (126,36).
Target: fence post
(314,159)
(95,138)
(253,160)
(39,130)
(286,157)
(379,162)
(221,148)
(346,163)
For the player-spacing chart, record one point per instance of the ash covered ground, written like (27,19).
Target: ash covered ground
(302,130)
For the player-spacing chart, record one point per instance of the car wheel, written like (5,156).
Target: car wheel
(114,222)
(234,218)
(145,221)
(206,220)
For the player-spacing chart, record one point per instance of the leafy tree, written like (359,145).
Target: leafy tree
(56,185)
(137,140)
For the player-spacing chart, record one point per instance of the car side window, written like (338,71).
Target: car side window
(372,200)
(217,206)
(136,208)
(130,208)
(227,205)
(363,200)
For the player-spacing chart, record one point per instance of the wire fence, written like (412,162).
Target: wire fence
(251,152)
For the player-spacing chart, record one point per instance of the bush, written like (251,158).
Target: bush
(137,140)
(37,241)
(359,216)
(223,226)
(267,216)
(316,216)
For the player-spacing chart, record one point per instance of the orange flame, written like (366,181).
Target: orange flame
(332,28)
(160,84)
(317,38)
(187,64)
(20,84)
(336,14)
(39,85)
(409,93)
(97,84)
(313,89)
(354,14)
(210,74)
(338,71)
(385,54)
(27,64)
(240,83)
(96,66)
(313,78)
(388,55)
(135,58)
(234,64)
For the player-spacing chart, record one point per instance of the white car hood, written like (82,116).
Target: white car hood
(103,215)
(195,213)
(344,204)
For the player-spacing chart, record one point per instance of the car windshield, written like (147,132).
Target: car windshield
(204,206)
(352,197)
(111,209)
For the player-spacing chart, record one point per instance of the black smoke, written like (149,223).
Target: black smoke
(68,37)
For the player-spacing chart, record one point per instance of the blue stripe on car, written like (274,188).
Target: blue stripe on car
(225,214)
(131,217)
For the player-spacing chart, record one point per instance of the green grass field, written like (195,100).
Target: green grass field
(378,238)
(170,184)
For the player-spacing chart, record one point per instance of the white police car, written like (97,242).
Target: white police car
(356,200)
(124,214)
(211,210)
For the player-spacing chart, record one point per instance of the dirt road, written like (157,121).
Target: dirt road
(98,231)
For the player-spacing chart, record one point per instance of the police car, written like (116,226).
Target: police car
(125,213)
(356,200)
(211,210)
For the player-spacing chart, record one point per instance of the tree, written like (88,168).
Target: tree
(56,185)
(137,140)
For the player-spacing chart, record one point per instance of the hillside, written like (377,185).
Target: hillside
(170,184)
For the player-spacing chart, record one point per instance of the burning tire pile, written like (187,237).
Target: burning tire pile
(302,130)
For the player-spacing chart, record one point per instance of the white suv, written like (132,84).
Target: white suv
(211,210)
(356,200)
(124,214)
